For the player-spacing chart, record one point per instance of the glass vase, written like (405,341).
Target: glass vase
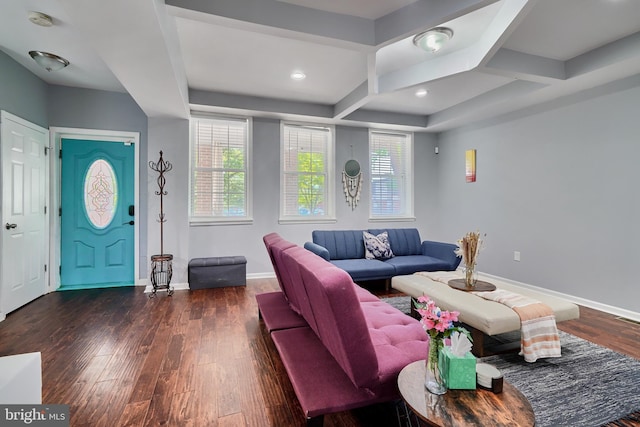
(433,381)
(470,277)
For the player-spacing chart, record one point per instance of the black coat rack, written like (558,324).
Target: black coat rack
(161,268)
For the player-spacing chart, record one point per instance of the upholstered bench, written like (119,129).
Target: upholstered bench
(217,272)
(483,317)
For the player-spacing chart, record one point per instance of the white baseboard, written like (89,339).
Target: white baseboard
(268,275)
(176,287)
(616,311)
(185,286)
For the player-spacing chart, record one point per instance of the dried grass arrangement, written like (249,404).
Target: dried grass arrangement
(469,249)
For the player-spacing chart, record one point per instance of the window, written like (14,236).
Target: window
(390,160)
(306,181)
(220,170)
(100,193)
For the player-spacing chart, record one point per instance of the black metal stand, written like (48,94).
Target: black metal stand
(161,272)
(161,268)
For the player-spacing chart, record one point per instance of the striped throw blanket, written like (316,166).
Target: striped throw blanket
(539,334)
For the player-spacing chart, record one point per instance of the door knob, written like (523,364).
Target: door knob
(10,226)
(129,222)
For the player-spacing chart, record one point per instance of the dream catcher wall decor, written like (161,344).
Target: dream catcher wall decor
(352,182)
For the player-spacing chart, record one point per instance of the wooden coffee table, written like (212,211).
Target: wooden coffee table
(458,408)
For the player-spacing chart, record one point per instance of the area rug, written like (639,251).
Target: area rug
(401,303)
(588,386)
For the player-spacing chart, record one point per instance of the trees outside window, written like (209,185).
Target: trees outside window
(306,173)
(220,171)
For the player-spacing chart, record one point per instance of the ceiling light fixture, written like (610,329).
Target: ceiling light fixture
(432,40)
(49,61)
(421,93)
(40,18)
(298,75)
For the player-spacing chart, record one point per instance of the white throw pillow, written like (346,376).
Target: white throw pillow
(377,247)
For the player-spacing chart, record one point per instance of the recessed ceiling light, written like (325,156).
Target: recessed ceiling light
(298,75)
(40,18)
(432,40)
(421,93)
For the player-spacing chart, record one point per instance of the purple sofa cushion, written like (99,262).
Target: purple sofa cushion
(292,259)
(276,312)
(364,295)
(269,240)
(397,340)
(320,384)
(291,276)
(287,284)
(341,325)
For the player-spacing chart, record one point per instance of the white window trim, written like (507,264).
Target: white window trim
(410,215)
(330,216)
(248,218)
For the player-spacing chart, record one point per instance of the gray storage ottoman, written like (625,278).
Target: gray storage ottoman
(217,272)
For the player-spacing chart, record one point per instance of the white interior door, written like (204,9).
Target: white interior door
(24,217)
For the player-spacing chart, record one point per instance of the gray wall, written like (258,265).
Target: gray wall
(96,109)
(246,240)
(22,93)
(172,137)
(555,182)
(558,186)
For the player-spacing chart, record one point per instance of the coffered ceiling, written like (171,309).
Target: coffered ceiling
(361,66)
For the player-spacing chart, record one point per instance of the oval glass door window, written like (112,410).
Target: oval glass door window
(100,193)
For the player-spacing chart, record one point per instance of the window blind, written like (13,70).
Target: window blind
(305,159)
(390,165)
(219,168)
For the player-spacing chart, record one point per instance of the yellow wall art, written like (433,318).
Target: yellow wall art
(470,165)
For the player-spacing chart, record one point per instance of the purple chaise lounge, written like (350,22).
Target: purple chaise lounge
(341,346)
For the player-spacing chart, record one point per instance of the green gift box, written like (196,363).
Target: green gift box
(458,372)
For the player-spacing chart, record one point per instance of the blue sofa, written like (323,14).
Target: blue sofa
(345,249)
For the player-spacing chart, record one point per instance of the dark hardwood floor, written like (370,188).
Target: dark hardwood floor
(198,358)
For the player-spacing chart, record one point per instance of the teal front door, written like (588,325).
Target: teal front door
(97,214)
